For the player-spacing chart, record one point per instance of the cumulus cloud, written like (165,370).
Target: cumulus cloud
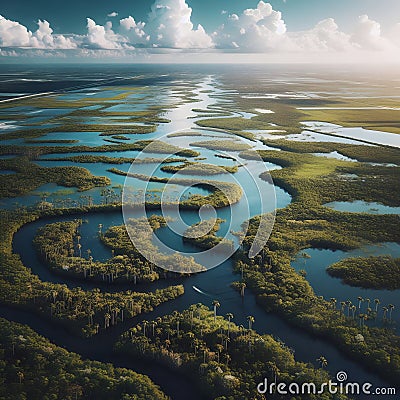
(13,34)
(325,36)
(169,25)
(169,29)
(367,34)
(256,29)
(101,37)
(134,31)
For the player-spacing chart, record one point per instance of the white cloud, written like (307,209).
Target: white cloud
(169,25)
(325,36)
(367,34)
(13,34)
(101,37)
(134,31)
(256,29)
(44,38)
(168,29)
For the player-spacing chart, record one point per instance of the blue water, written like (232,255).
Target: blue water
(360,206)
(216,281)
(327,286)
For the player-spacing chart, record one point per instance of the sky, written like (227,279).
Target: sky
(201,30)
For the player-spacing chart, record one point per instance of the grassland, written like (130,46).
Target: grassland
(375,154)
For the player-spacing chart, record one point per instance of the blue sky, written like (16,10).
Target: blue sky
(304,28)
(70,16)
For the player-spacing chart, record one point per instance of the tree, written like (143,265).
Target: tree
(377,302)
(250,320)
(323,362)
(391,308)
(242,288)
(360,300)
(229,316)
(215,304)
(333,302)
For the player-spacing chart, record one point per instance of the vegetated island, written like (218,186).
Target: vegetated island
(374,272)
(190,168)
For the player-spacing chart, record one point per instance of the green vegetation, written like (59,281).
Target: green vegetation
(224,145)
(382,272)
(232,124)
(305,223)
(31,367)
(227,361)
(148,146)
(380,119)
(59,245)
(191,168)
(362,153)
(115,160)
(141,229)
(82,312)
(223,193)
(314,180)
(68,126)
(60,141)
(120,137)
(203,235)
(30,176)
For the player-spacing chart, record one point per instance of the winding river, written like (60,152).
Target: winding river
(214,284)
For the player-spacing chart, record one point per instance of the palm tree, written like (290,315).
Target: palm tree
(20,375)
(377,302)
(361,317)
(353,310)
(144,327)
(348,304)
(391,308)
(251,321)
(360,300)
(242,288)
(229,316)
(215,304)
(368,301)
(385,310)
(342,306)
(333,302)
(322,361)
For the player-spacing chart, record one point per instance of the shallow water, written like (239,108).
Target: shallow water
(360,206)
